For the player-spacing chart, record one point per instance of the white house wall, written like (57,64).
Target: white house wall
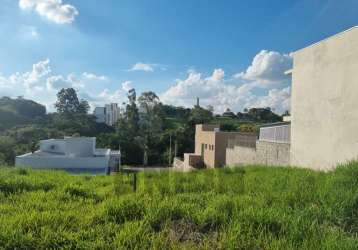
(53,146)
(83,146)
(53,162)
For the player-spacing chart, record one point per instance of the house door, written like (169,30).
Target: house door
(202,151)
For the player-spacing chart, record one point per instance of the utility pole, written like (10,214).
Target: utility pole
(176,148)
(170,150)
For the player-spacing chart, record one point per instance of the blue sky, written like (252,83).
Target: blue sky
(229,53)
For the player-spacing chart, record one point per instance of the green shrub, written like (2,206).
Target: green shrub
(126,209)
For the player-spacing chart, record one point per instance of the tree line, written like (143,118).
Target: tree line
(147,132)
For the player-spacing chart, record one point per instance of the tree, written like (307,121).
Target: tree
(7,154)
(68,103)
(84,107)
(210,108)
(132,113)
(199,115)
(264,115)
(151,121)
(127,131)
(170,111)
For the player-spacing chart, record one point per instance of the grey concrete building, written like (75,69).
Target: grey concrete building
(108,114)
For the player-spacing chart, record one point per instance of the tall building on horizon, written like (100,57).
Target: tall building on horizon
(109,114)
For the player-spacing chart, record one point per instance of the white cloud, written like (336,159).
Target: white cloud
(127,85)
(142,67)
(39,70)
(278,99)
(53,10)
(31,78)
(92,76)
(58,82)
(108,96)
(41,85)
(31,84)
(267,68)
(222,94)
(213,90)
(241,92)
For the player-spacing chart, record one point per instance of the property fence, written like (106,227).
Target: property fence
(276,134)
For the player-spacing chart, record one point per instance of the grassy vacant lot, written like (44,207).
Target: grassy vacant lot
(251,208)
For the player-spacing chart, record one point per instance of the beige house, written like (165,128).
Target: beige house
(211,144)
(324,113)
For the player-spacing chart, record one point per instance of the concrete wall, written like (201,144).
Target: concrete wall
(324,111)
(265,153)
(222,142)
(53,146)
(239,155)
(61,162)
(271,153)
(80,146)
(179,165)
(72,146)
(193,160)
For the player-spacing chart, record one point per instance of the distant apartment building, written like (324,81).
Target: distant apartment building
(108,114)
(100,114)
(73,154)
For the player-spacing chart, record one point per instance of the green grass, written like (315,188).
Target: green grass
(251,208)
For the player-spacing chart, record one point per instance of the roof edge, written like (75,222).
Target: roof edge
(275,124)
(327,38)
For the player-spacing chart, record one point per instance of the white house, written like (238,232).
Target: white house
(73,154)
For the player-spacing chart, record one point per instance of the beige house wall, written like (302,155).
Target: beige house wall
(205,135)
(324,111)
(215,144)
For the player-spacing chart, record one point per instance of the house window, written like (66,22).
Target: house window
(206,146)
(212,147)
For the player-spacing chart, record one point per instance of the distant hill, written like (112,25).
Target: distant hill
(19,111)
